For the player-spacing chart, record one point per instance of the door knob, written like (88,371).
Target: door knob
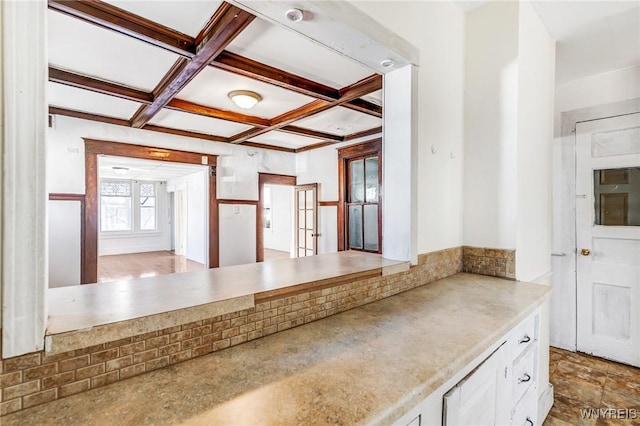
(585,252)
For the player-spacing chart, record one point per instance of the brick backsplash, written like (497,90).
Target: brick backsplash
(37,378)
(489,261)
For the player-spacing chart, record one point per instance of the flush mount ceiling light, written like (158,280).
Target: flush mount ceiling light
(387,63)
(245,99)
(294,15)
(120,170)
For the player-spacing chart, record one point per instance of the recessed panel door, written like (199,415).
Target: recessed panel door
(608,238)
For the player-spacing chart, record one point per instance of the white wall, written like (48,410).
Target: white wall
(64,243)
(237,234)
(508,123)
(110,243)
(197,190)
(437,29)
(536,70)
(491,112)
(280,235)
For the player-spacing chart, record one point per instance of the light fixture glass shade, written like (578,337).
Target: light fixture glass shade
(245,99)
(120,170)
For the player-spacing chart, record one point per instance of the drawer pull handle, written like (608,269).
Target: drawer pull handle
(524,378)
(528,422)
(525,339)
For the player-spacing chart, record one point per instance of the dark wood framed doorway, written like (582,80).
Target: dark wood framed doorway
(263,179)
(94,148)
(372,148)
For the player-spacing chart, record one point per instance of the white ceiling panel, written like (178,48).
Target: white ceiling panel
(375,97)
(286,140)
(212,86)
(87,49)
(281,48)
(340,121)
(188,17)
(158,171)
(197,123)
(83,100)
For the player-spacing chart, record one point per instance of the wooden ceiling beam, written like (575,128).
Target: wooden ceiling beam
(255,70)
(113,18)
(271,147)
(349,93)
(314,146)
(224,26)
(80,81)
(301,131)
(363,133)
(222,114)
(125,123)
(366,107)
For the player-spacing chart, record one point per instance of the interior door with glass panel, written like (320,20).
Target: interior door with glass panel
(363,204)
(306,220)
(608,237)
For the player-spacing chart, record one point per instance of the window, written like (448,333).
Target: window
(147,207)
(127,206)
(115,206)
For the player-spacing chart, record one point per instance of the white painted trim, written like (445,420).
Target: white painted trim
(24,242)
(545,402)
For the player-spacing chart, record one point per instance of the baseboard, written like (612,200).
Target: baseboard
(545,402)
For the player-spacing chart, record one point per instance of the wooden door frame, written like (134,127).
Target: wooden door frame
(95,147)
(371,147)
(264,179)
(78,198)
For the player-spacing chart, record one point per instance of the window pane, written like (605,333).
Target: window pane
(147,218)
(147,190)
(309,224)
(371,179)
(115,188)
(309,204)
(301,201)
(355,227)
(115,213)
(356,181)
(617,196)
(371,227)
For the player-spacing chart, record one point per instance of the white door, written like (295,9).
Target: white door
(306,220)
(608,237)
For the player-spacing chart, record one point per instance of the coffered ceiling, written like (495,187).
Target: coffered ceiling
(168,66)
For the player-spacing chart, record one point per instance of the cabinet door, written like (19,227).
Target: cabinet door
(483,397)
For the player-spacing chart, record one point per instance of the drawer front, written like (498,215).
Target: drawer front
(524,373)
(524,336)
(526,411)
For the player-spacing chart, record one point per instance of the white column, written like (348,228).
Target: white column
(399,162)
(24,213)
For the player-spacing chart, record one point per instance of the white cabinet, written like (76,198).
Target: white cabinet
(482,398)
(499,388)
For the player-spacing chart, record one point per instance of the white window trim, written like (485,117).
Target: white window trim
(135,212)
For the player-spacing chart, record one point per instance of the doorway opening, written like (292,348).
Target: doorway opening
(152,218)
(277,220)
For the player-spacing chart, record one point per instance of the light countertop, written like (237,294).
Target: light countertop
(84,306)
(367,365)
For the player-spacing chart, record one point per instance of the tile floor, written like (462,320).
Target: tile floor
(581,382)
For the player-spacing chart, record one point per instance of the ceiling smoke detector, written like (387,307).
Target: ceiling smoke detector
(294,15)
(387,63)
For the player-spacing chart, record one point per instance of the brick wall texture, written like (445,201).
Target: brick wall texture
(37,378)
(489,261)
